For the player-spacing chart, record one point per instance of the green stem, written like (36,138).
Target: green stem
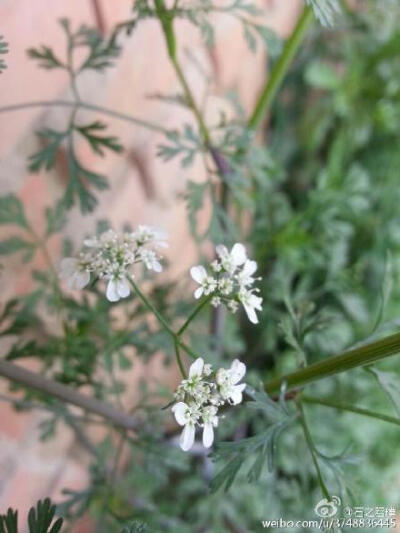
(162,320)
(350,408)
(193,314)
(179,359)
(166,19)
(187,349)
(365,355)
(191,102)
(84,105)
(41,245)
(313,450)
(281,67)
(152,308)
(71,71)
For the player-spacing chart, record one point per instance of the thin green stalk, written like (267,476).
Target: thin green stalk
(192,315)
(313,450)
(364,355)
(351,408)
(187,349)
(84,105)
(166,20)
(281,67)
(152,308)
(41,245)
(179,359)
(71,71)
(191,101)
(162,320)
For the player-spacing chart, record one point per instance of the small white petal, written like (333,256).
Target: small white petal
(256,302)
(91,242)
(220,376)
(81,279)
(111,293)
(68,267)
(208,435)
(179,410)
(198,292)
(198,273)
(237,371)
(249,268)
(221,250)
(108,236)
(252,316)
(157,266)
(238,254)
(236,395)
(187,437)
(123,289)
(196,368)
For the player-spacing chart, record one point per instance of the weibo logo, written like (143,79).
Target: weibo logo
(326,508)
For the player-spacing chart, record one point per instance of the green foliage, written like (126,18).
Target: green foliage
(260,448)
(199,12)
(195,193)
(135,527)
(322,75)
(3,50)
(16,244)
(98,142)
(12,211)
(254,32)
(389,381)
(45,57)
(40,519)
(56,219)
(325,10)
(100,54)
(9,522)
(319,208)
(46,157)
(80,178)
(186,145)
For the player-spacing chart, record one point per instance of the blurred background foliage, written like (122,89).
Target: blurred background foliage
(326,231)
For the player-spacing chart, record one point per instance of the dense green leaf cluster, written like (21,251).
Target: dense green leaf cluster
(40,519)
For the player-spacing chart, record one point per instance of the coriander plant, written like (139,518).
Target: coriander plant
(281,334)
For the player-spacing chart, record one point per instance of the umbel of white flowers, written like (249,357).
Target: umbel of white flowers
(111,257)
(201,395)
(231,281)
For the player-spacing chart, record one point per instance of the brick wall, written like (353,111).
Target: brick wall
(143,189)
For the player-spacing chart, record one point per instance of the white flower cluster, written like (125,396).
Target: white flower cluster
(111,256)
(200,396)
(231,281)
